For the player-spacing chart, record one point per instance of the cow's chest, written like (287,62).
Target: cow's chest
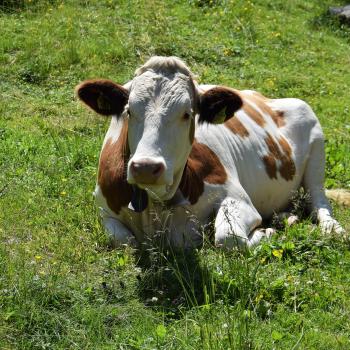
(180,225)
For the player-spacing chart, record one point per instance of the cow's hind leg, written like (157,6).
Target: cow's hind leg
(314,184)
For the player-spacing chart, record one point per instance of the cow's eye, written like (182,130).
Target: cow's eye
(128,112)
(186,116)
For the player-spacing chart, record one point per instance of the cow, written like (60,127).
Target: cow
(178,154)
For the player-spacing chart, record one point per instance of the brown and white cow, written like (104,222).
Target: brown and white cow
(177,152)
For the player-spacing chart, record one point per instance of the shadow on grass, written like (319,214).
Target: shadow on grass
(15,6)
(176,281)
(172,280)
(337,25)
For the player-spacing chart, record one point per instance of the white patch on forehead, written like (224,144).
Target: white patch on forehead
(154,95)
(152,91)
(164,81)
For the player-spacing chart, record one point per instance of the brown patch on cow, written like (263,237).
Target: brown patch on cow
(270,166)
(236,126)
(112,171)
(279,151)
(285,146)
(261,102)
(202,165)
(287,168)
(278,118)
(273,147)
(253,113)
(192,130)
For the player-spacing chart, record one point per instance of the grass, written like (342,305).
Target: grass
(60,285)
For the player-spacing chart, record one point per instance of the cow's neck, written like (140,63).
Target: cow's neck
(202,165)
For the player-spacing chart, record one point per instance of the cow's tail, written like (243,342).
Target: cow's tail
(340,196)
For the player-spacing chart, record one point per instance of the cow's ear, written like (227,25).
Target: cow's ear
(103,96)
(218,105)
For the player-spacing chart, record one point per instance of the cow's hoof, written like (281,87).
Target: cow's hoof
(331,226)
(269,232)
(292,220)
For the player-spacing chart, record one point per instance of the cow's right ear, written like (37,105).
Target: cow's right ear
(103,96)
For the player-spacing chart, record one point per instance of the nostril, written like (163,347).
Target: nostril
(135,167)
(159,168)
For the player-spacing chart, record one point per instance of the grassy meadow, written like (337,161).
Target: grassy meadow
(61,286)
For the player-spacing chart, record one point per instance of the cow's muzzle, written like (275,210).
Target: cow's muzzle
(146,171)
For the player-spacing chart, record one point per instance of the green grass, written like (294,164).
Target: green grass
(60,285)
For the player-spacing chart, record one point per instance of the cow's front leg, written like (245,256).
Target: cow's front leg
(236,224)
(118,233)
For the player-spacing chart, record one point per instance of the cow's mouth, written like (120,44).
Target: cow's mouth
(141,192)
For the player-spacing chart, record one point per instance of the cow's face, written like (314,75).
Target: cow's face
(161,107)
(161,111)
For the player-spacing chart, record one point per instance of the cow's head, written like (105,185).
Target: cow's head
(162,105)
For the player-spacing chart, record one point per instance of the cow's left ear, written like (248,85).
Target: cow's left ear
(218,105)
(103,96)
